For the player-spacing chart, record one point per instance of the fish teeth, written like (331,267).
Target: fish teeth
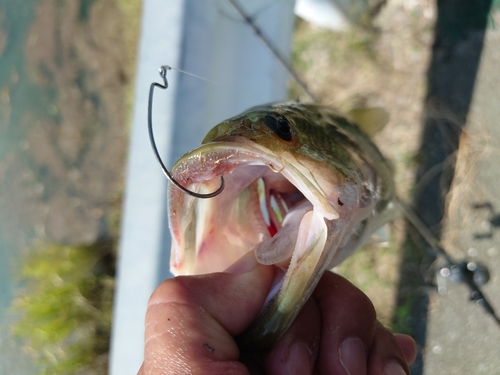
(272,206)
(261,191)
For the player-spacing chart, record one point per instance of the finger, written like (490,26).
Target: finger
(353,341)
(408,346)
(386,355)
(191,320)
(233,299)
(348,326)
(295,352)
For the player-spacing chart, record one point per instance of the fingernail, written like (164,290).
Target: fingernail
(243,265)
(299,360)
(353,356)
(393,368)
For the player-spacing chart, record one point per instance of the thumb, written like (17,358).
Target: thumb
(234,297)
(191,320)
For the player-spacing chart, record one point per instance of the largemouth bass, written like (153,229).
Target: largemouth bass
(305,187)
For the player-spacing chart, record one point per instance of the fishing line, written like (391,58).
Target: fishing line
(163,74)
(271,47)
(192,75)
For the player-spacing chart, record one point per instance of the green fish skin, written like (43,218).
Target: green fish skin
(305,188)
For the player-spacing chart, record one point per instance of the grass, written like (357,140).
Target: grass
(65,309)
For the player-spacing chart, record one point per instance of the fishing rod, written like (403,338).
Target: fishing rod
(468,273)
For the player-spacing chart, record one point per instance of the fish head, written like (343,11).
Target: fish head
(295,188)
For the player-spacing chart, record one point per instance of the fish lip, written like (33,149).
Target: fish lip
(236,151)
(230,152)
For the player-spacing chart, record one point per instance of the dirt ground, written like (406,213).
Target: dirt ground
(71,129)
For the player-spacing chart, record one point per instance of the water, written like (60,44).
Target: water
(20,100)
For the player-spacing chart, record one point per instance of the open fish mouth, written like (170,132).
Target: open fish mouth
(302,191)
(274,205)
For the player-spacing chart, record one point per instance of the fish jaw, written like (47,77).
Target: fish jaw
(211,234)
(225,222)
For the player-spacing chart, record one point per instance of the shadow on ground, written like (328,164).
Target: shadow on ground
(456,53)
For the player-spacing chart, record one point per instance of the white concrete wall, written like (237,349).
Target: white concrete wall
(206,38)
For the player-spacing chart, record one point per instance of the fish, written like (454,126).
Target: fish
(305,187)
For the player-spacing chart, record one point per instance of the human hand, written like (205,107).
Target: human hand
(191,323)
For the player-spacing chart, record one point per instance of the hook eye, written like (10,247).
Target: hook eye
(163,73)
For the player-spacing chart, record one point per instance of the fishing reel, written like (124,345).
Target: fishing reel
(472,274)
(462,271)
(469,272)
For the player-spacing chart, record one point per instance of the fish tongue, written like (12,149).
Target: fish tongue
(279,248)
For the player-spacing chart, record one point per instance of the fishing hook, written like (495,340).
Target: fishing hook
(163,74)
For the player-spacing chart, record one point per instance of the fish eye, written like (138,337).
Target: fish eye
(280,126)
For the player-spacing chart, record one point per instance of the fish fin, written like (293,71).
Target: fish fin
(370,120)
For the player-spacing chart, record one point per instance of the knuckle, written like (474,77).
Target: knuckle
(175,290)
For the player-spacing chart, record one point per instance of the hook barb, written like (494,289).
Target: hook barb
(163,73)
